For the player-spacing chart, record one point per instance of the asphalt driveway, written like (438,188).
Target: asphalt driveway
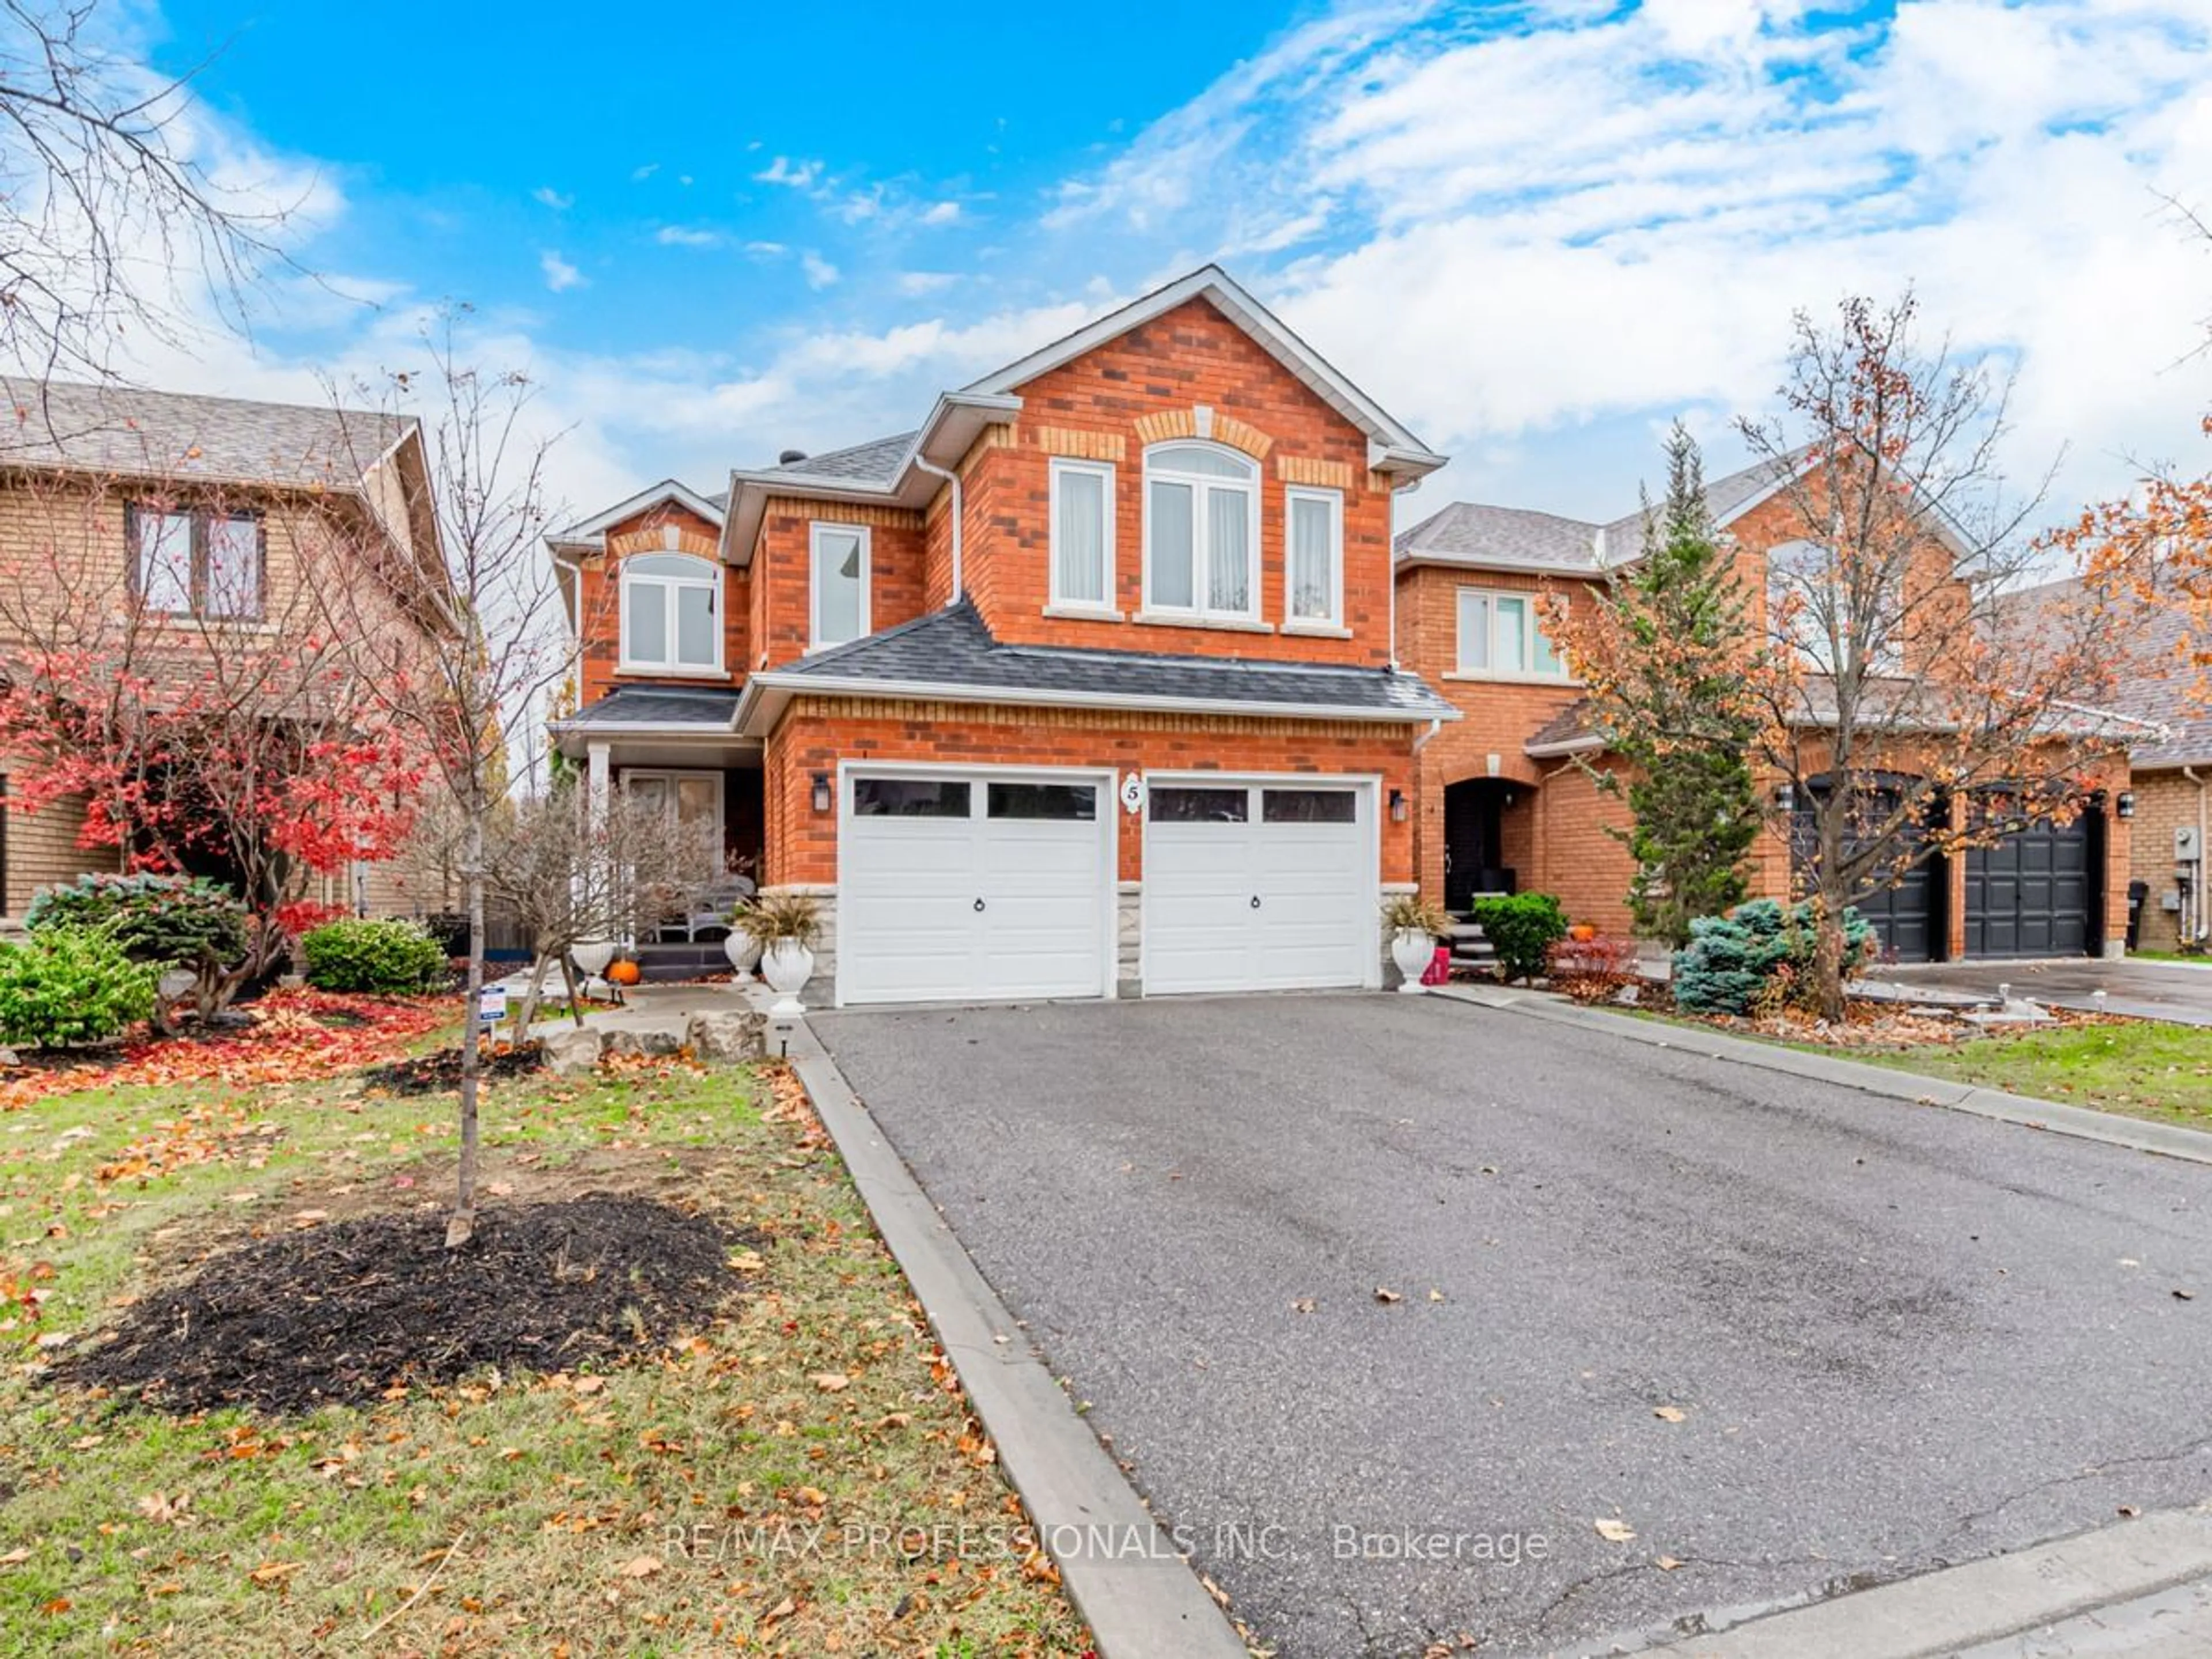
(1896,1336)
(2178,992)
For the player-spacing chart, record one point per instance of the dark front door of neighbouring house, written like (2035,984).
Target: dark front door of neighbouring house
(1472,862)
(2035,893)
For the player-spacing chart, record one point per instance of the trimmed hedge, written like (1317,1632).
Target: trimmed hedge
(70,985)
(1757,955)
(1521,927)
(391,958)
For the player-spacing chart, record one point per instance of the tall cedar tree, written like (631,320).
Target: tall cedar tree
(1663,654)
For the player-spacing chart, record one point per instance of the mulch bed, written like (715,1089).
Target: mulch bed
(440,1072)
(346,1312)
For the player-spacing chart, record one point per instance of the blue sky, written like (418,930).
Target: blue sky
(1538,232)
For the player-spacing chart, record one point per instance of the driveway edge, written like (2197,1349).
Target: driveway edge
(1140,1599)
(2081,1123)
(1954,1608)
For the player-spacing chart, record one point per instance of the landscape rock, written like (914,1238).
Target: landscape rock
(727,1036)
(654,1044)
(572,1049)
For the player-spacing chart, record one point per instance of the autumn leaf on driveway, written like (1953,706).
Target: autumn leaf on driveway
(1614,1531)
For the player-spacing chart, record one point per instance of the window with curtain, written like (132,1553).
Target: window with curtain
(1503,633)
(1082,534)
(671,613)
(197,562)
(1315,541)
(1202,507)
(840,584)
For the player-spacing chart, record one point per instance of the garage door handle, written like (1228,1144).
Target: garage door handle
(1256,900)
(979,904)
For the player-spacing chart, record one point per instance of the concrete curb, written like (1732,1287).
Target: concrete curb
(1944,1611)
(2164,1140)
(1139,1598)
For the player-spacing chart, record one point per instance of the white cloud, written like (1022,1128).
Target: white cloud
(560,275)
(687,236)
(799,175)
(925,281)
(820,273)
(640,174)
(941,213)
(546,195)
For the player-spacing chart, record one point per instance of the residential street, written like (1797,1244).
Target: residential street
(1896,1337)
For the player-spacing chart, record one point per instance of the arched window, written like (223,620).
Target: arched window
(671,613)
(1201,532)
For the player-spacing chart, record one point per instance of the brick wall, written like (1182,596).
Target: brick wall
(1147,386)
(818,732)
(42,849)
(2165,801)
(665,528)
(782,562)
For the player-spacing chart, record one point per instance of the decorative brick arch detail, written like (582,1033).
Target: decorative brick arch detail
(1199,422)
(665,538)
(1516,770)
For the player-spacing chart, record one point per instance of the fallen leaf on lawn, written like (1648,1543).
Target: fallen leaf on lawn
(589,1384)
(1669,1413)
(1387,1295)
(831,1381)
(813,1497)
(1666,1564)
(1614,1531)
(780,1612)
(87,1442)
(275,1572)
(15,1558)
(643,1566)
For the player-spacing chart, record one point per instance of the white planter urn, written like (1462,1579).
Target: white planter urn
(787,965)
(1413,951)
(592,957)
(743,951)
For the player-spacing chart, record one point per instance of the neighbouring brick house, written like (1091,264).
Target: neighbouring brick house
(1085,687)
(1506,798)
(194,515)
(2170,774)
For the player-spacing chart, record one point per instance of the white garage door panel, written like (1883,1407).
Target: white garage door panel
(1313,927)
(908,927)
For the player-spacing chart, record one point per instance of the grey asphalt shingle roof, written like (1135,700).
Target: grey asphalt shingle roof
(659,705)
(873,462)
(953,648)
(2159,683)
(168,435)
(1475,533)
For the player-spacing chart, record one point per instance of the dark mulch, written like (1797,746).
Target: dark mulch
(440,1072)
(340,1313)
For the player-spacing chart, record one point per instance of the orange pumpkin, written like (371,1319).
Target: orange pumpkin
(624,973)
(1583,931)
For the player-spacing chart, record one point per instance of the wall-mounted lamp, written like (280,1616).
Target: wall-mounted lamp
(1397,807)
(1785,798)
(1506,800)
(2125,805)
(821,791)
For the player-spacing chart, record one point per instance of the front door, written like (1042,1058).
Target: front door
(1472,813)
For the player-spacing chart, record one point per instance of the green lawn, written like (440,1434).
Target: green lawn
(786,1482)
(2198,957)
(2139,1068)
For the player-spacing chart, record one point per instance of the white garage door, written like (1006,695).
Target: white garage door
(1259,887)
(971,888)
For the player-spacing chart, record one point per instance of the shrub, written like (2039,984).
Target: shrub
(1593,969)
(777,918)
(69,985)
(165,921)
(1758,957)
(1521,928)
(1410,913)
(394,958)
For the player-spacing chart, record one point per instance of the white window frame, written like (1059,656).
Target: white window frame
(1533,612)
(1334,501)
(671,775)
(866,618)
(1201,552)
(668,663)
(1103,607)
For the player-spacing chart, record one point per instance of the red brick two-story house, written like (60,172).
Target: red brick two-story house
(1506,797)
(1085,687)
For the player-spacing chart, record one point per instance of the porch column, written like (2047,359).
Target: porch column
(596,770)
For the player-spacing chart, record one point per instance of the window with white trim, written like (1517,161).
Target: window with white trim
(1201,532)
(1082,534)
(671,613)
(1503,633)
(1313,540)
(188,562)
(1822,610)
(838,586)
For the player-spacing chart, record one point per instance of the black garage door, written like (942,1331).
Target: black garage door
(1907,918)
(2034,893)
